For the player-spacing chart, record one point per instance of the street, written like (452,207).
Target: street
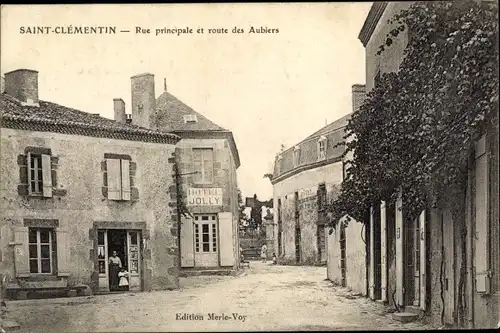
(263,298)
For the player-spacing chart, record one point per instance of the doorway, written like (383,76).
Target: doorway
(343,257)
(127,245)
(377,253)
(206,240)
(411,269)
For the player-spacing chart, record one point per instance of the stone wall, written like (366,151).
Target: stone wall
(79,200)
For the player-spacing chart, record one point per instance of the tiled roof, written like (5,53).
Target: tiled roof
(51,117)
(170,113)
(308,153)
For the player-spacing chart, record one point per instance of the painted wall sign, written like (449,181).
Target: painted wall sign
(204,196)
(308,192)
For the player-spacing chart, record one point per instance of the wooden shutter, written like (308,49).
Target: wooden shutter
(226,239)
(47,176)
(481,251)
(30,178)
(187,242)
(114,179)
(197,165)
(63,252)
(21,252)
(423,260)
(383,250)
(371,282)
(399,249)
(125,174)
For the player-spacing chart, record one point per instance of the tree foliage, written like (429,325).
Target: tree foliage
(416,128)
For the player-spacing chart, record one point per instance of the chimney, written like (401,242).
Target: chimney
(358,96)
(143,100)
(22,84)
(119,107)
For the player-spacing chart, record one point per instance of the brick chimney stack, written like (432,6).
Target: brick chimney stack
(358,96)
(119,108)
(22,84)
(143,100)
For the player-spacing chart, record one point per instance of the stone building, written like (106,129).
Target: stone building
(417,265)
(75,188)
(206,162)
(306,177)
(346,252)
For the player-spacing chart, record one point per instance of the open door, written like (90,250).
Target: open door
(134,260)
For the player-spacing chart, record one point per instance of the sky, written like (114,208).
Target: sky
(269,89)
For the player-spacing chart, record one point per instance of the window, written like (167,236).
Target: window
(190,118)
(41,245)
(205,233)
(203,160)
(296,156)
(322,148)
(118,177)
(39,175)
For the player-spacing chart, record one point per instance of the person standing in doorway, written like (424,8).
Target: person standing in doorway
(115,263)
(263,253)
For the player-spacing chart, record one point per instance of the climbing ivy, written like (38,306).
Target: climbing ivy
(415,130)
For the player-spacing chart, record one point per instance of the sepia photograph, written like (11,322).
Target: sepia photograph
(208,167)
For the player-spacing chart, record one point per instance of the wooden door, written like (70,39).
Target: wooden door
(449,269)
(416,261)
(383,252)
(102,259)
(134,260)
(206,244)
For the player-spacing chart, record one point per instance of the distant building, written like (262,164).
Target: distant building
(305,179)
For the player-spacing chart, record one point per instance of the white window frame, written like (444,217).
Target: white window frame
(41,165)
(190,118)
(322,144)
(35,164)
(212,223)
(202,172)
(39,251)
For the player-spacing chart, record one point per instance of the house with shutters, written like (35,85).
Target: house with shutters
(306,177)
(206,162)
(77,187)
(421,266)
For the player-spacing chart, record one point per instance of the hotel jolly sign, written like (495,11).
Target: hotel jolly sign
(204,196)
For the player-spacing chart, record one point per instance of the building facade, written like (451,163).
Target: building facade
(306,178)
(206,186)
(75,188)
(420,266)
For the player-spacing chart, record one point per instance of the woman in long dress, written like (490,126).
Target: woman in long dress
(115,264)
(263,253)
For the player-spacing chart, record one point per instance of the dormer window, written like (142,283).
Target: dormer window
(322,148)
(296,156)
(190,118)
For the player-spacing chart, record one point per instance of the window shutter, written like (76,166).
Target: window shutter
(372,254)
(21,252)
(125,174)
(383,250)
(481,251)
(423,260)
(63,252)
(226,239)
(47,176)
(28,163)
(187,242)
(399,249)
(114,179)
(197,165)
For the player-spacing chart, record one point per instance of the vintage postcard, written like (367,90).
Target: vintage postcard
(249,166)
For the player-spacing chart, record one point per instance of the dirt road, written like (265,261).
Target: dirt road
(264,297)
